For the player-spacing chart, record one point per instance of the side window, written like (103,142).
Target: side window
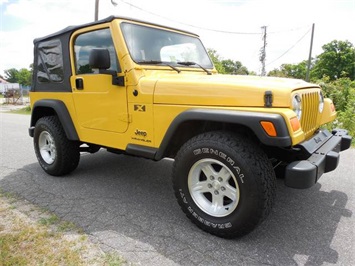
(85,42)
(50,61)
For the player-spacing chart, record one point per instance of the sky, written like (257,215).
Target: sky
(231,27)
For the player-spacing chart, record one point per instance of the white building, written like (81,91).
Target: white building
(4,86)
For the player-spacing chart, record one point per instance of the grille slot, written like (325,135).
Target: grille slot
(309,119)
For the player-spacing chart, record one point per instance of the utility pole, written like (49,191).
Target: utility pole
(310,55)
(263,52)
(113,2)
(96,10)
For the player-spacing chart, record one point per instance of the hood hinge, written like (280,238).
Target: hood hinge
(268,98)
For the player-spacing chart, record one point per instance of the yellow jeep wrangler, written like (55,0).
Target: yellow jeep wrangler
(142,89)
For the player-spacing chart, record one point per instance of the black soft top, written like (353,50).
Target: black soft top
(70,29)
(51,64)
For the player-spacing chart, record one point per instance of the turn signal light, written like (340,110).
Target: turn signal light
(269,128)
(295,124)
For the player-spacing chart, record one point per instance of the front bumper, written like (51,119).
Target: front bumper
(323,149)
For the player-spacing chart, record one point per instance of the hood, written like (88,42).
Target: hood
(225,90)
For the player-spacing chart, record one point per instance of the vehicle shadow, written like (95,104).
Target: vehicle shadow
(127,205)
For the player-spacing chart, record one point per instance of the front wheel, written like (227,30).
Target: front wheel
(224,183)
(55,153)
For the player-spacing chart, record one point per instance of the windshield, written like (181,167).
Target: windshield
(151,45)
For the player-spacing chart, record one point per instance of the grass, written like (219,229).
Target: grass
(34,244)
(53,219)
(23,111)
(46,240)
(113,259)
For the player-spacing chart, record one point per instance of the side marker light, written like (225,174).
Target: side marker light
(269,128)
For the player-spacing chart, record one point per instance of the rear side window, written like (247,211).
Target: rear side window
(50,61)
(85,42)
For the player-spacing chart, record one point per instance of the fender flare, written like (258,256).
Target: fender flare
(60,110)
(248,119)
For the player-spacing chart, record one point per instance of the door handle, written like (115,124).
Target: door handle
(79,84)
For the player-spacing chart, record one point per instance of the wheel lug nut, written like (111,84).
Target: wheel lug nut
(216,192)
(212,177)
(223,188)
(209,185)
(220,179)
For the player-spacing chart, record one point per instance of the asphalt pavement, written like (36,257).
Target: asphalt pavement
(126,204)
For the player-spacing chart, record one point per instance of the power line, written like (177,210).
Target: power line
(289,48)
(207,29)
(288,30)
(190,25)
(262,53)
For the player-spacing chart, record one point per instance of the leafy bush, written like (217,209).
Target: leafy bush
(342,92)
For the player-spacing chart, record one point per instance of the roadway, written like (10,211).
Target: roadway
(126,204)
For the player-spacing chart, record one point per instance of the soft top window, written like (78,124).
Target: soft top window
(50,61)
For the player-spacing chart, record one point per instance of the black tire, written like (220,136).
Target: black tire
(238,170)
(55,153)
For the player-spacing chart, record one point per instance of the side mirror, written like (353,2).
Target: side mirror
(100,58)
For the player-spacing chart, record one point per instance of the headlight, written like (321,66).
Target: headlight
(297,105)
(321,102)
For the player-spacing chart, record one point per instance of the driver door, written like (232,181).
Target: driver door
(99,104)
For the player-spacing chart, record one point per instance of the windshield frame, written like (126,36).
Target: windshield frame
(145,44)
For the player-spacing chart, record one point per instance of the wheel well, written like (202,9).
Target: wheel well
(44,108)
(39,112)
(190,129)
(195,121)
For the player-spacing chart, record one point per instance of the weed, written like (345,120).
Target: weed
(66,226)
(112,259)
(53,219)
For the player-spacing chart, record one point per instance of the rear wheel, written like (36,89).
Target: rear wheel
(55,153)
(224,183)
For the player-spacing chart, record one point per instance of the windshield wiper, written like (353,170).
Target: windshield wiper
(156,62)
(188,63)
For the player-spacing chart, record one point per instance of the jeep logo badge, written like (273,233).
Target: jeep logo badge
(142,133)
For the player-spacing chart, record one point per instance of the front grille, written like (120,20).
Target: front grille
(309,119)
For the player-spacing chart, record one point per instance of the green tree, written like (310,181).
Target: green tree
(277,72)
(297,71)
(337,61)
(25,77)
(216,60)
(11,75)
(227,66)
(22,76)
(234,67)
